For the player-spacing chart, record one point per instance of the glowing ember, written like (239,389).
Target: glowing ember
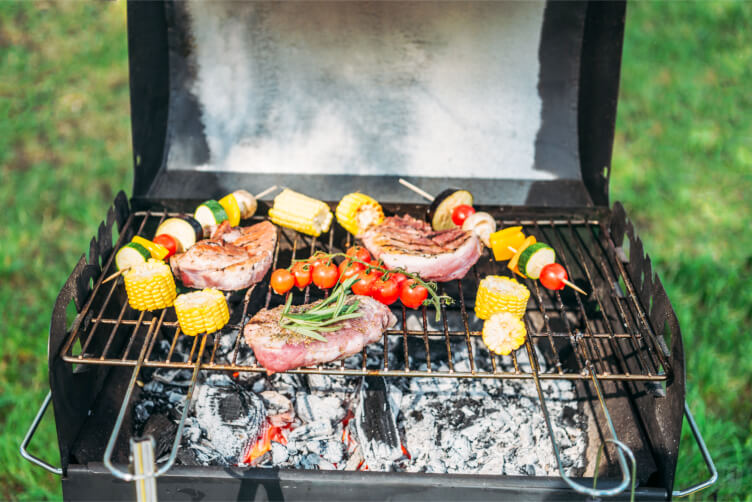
(263,442)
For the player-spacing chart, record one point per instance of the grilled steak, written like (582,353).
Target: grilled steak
(404,242)
(234,258)
(278,349)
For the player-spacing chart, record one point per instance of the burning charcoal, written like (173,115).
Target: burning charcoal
(325,465)
(279,453)
(230,416)
(354,460)
(330,385)
(279,409)
(259,386)
(219,380)
(494,465)
(313,430)
(163,430)
(175,397)
(310,461)
(154,387)
(143,410)
(332,451)
(376,427)
(312,408)
(285,383)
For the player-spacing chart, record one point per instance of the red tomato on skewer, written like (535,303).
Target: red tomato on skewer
(461,213)
(553,275)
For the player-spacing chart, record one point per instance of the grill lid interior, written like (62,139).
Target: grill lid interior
(513,100)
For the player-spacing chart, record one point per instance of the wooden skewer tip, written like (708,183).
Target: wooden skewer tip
(574,286)
(114,276)
(416,189)
(266,192)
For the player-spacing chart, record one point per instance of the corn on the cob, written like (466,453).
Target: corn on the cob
(503,333)
(299,212)
(202,312)
(500,294)
(150,286)
(357,211)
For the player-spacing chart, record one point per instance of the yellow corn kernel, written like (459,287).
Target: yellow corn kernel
(202,311)
(500,294)
(504,332)
(150,286)
(356,212)
(299,212)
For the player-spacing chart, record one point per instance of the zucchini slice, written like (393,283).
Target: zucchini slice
(130,255)
(185,229)
(440,212)
(158,251)
(535,257)
(210,213)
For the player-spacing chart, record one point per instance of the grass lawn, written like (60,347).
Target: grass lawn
(682,166)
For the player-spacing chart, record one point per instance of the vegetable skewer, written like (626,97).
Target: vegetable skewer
(185,243)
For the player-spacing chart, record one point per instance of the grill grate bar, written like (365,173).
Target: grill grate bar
(560,319)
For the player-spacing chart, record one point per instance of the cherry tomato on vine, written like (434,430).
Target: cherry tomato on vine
(461,213)
(360,253)
(282,281)
(349,269)
(325,276)
(553,275)
(364,284)
(400,278)
(168,242)
(413,294)
(302,273)
(386,291)
(318,259)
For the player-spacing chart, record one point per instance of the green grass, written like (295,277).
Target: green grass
(682,166)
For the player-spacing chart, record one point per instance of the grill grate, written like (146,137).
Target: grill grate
(605,335)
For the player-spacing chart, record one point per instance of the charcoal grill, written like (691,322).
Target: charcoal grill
(621,343)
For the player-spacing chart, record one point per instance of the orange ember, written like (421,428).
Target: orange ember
(263,442)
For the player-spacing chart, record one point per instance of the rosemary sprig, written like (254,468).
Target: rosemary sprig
(434,299)
(319,318)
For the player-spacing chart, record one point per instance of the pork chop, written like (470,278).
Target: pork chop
(278,349)
(411,244)
(234,258)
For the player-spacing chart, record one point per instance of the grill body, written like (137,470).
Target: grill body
(638,366)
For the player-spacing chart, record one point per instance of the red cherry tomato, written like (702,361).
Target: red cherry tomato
(460,214)
(400,278)
(364,284)
(325,276)
(386,291)
(168,242)
(360,253)
(553,275)
(302,273)
(348,269)
(413,294)
(282,281)
(318,259)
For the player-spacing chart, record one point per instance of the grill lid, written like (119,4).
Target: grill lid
(514,100)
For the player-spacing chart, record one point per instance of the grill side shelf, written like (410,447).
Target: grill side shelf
(661,408)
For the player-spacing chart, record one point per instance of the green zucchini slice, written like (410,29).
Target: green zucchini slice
(130,255)
(535,257)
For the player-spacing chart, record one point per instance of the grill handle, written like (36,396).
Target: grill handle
(30,434)
(705,455)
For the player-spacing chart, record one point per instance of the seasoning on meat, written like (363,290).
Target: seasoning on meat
(408,243)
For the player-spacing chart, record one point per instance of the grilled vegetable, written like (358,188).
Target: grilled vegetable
(535,257)
(230,204)
(357,211)
(150,286)
(481,224)
(202,311)
(442,207)
(512,265)
(168,242)
(504,241)
(185,229)
(325,276)
(246,202)
(210,213)
(130,255)
(461,213)
(299,212)
(412,294)
(553,275)
(282,281)
(503,333)
(301,271)
(500,294)
(158,251)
